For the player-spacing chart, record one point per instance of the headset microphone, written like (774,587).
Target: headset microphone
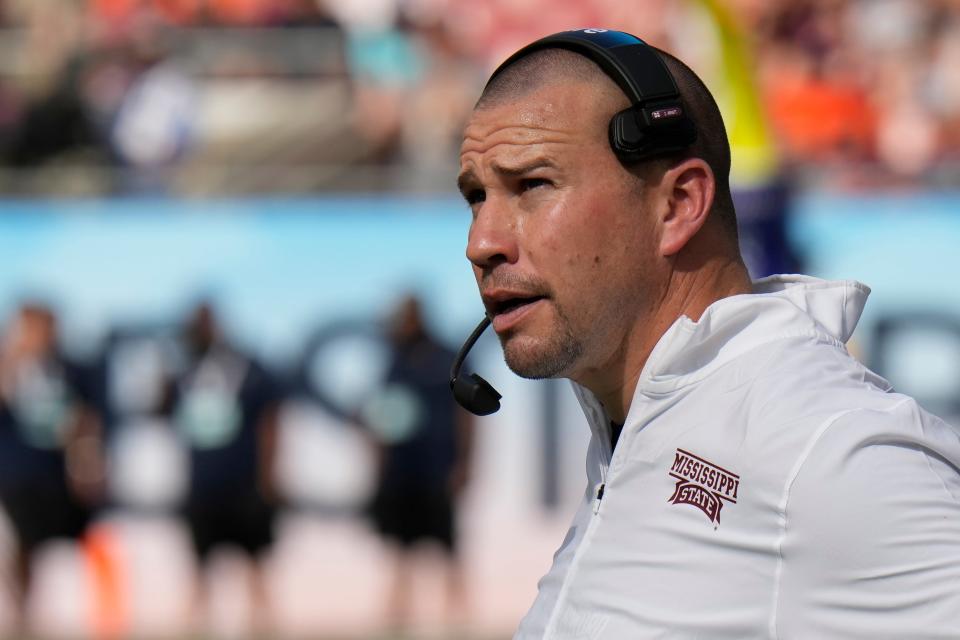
(474,394)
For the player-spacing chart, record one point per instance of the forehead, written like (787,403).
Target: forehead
(553,115)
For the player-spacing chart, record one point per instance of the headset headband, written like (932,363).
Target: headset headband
(657,122)
(627,59)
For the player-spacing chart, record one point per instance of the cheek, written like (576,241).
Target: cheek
(574,230)
(610,257)
(560,245)
(590,239)
(572,253)
(584,238)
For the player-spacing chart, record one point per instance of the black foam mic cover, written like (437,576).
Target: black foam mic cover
(472,392)
(476,395)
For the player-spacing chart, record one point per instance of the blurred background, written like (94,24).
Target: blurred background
(232,278)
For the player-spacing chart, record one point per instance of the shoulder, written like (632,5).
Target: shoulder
(871,526)
(882,451)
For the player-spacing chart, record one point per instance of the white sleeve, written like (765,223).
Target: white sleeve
(871,539)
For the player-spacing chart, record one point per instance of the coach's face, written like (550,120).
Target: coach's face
(561,244)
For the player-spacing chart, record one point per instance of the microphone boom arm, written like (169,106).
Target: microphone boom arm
(472,392)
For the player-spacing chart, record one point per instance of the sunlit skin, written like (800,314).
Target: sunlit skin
(616,260)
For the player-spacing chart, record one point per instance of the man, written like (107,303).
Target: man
(747,477)
(424,443)
(51,462)
(225,406)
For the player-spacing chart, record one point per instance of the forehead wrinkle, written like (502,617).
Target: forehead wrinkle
(517,135)
(500,153)
(549,121)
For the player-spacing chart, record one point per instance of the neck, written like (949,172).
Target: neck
(686,293)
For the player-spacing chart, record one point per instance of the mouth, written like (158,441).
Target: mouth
(506,310)
(498,307)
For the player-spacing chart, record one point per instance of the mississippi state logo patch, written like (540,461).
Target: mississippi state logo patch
(702,484)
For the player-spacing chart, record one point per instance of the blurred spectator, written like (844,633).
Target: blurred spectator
(818,107)
(50,445)
(224,405)
(385,66)
(445,92)
(155,121)
(424,450)
(55,124)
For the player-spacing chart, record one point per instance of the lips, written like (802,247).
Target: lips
(506,308)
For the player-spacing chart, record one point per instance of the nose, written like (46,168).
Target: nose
(492,239)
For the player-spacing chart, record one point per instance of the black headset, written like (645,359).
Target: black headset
(655,124)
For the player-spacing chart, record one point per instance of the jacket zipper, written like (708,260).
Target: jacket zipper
(604,469)
(600,489)
(607,458)
(598,498)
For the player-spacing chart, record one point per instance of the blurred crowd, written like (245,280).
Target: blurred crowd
(867,83)
(69,469)
(254,96)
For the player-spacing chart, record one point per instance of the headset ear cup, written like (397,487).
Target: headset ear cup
(626,136)
(634,138)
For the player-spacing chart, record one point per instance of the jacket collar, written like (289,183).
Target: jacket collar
(780,307)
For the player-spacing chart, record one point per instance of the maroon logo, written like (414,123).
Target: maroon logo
(702,484)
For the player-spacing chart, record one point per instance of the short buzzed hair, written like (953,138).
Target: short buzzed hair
(546,66)
(540,68)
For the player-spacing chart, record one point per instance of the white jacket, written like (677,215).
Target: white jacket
(765,485)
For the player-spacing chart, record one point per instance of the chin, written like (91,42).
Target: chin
(541,358)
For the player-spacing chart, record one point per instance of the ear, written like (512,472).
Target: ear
(689,188)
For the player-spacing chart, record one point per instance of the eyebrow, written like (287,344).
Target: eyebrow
(519,170)
(465,178)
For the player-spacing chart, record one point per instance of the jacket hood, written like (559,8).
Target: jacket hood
(780,306)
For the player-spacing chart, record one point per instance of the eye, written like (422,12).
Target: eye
(475,196)
(532,183)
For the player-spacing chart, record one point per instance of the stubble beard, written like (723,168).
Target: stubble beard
(550,357)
